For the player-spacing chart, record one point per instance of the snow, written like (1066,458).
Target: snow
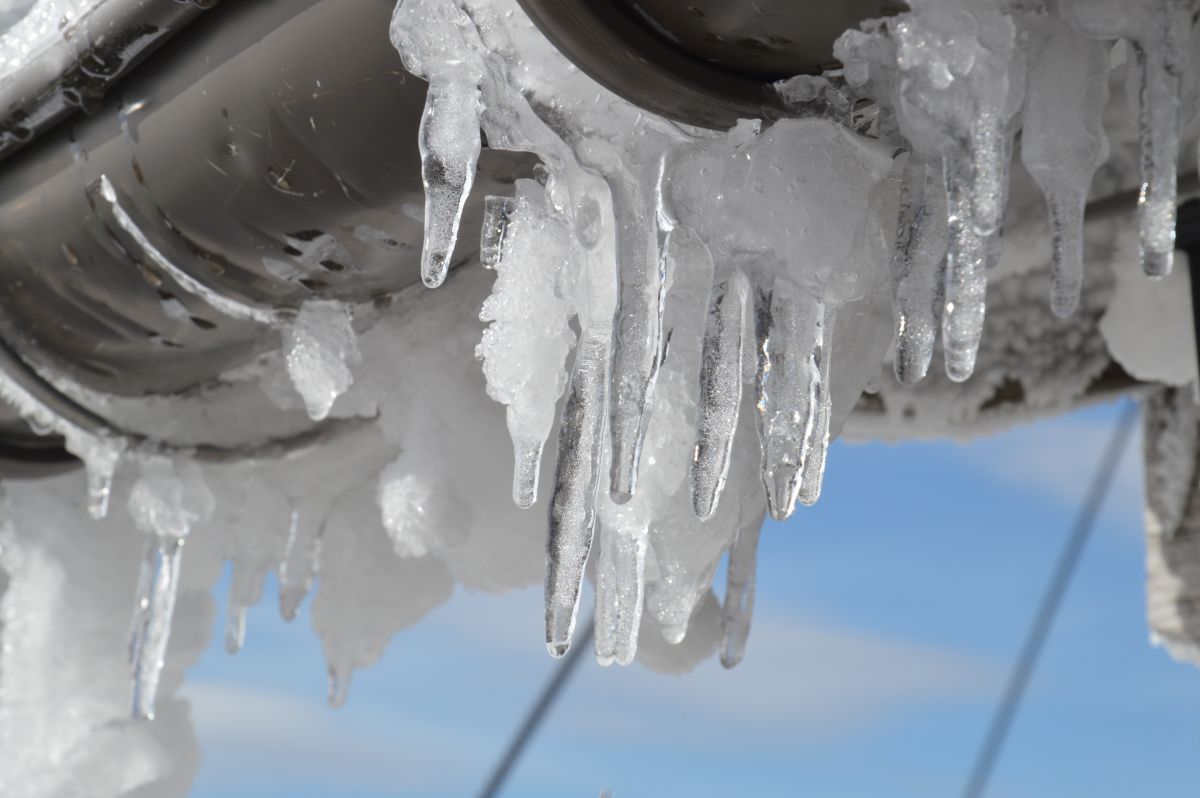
(950,80)
(321,344)
(32,27)
(729,295)
(1171,440)
(524,353)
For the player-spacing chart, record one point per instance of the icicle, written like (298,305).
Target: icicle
(966,275)
(686,553)
(523,351)
(817,437)
(620,587)
(1068,89)
(789,390)
(101,451)
(301,560)
(320,344)
(244,590)
(163,506)
(339,685)
(235,628)
(528,456)
(155,606)
(449,143)
(637,329)
(990,153)
(918,266)
(141,599)
(497,214)
(1158,123)
(739,594)
(720,391)
(436,39)
(101,455)
(99,488)
(1159,33)
(573,506)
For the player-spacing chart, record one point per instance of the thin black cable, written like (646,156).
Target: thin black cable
(1035,640)
(581,645)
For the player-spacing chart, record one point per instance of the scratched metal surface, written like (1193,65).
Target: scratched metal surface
(269,151)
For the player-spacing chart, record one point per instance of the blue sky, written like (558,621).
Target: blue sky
(886,619)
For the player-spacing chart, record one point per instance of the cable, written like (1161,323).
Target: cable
(582,644)
(1035,640)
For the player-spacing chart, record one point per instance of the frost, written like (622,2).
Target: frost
(789,215)
(321,344)
(1145,313)
(687,315)
(524,352)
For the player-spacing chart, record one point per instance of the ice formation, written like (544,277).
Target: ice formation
(728,296)
(168,499)
(792,239)
(619,187)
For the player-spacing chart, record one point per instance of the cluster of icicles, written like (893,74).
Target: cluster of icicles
(953,83)
(709,282)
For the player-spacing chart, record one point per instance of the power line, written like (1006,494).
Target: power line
(1052,598)
(582,644)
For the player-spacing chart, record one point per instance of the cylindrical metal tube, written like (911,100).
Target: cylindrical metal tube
(269,152)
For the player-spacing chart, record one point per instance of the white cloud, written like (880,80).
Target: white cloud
(812,679)
(815,678)
(1058,459)
(257,727)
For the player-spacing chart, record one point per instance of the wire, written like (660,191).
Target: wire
(1043,620)
(582,644)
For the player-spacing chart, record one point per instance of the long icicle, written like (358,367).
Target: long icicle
(788,390)
(157,589)
(449,143)
(637,330)
(821,403)
(720,391)
(164,503)
(1068,86)
(576,480)
(918,266)
(738,607)
(966,275)
(301,559)
(990,156)
(1157,91)
(620,586)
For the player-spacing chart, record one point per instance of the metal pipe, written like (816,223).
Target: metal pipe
(270,152)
